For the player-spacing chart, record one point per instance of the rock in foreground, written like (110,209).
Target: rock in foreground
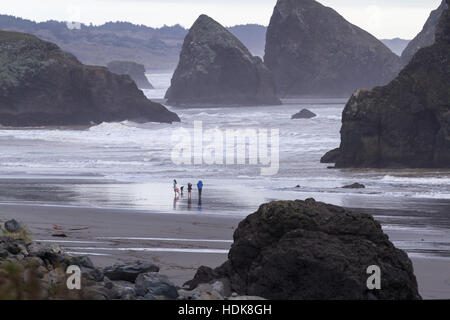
(135,70)
(311,250)
(215,68)
(129,272)
(406,123)
(37,272)
(41,85)
(304,114)
(313,51)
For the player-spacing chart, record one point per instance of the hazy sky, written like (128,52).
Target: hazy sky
(382,18)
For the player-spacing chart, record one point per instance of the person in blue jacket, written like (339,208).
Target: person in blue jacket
(200,188)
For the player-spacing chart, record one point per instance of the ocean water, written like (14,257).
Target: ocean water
(129,165)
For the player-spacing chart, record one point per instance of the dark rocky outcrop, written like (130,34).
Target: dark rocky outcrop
(425,38)
(331,156)
(42,85)
(406,123)
(304,114)
(313,51)
(215,68)
(312,250)
(135,70)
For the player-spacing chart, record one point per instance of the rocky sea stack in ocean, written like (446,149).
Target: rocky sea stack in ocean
(135,70)
(215,68)
(43,85)
(313,51)
(406,123)
(304,114)
(426,37)
(311,250)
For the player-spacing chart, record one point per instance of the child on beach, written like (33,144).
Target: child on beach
(189,188)
(175,188)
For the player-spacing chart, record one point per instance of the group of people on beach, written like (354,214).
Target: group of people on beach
(179,191)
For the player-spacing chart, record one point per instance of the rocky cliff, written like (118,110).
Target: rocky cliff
(42,85)
(215,68)
(135,70)
(426,37)
(406,123)
(313,51)
(310,250)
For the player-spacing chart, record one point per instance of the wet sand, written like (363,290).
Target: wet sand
(178,243)
(178,233)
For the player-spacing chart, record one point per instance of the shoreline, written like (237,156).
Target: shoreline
(90,224)
(178,243)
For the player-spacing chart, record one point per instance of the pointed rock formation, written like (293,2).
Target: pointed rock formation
(135,70)
(426,37)
(42,85)
(215,68)
(406,123)
(313,51)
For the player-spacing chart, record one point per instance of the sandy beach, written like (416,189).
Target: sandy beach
(181,243)
(178,243)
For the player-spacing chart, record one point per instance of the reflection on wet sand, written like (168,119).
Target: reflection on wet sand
(177,199)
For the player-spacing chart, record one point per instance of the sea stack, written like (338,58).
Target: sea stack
(135,70)
(406,123)
(215,68)
(313,51)
(308,250)
(41,85)
(304,114)
(426,37)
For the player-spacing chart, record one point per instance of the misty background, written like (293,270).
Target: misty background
(385,19)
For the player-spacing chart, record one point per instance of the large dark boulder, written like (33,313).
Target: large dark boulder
(135,70)
(312,250)
(425,38)
(215,68)
(406,123)
(313,51)
(42,85)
